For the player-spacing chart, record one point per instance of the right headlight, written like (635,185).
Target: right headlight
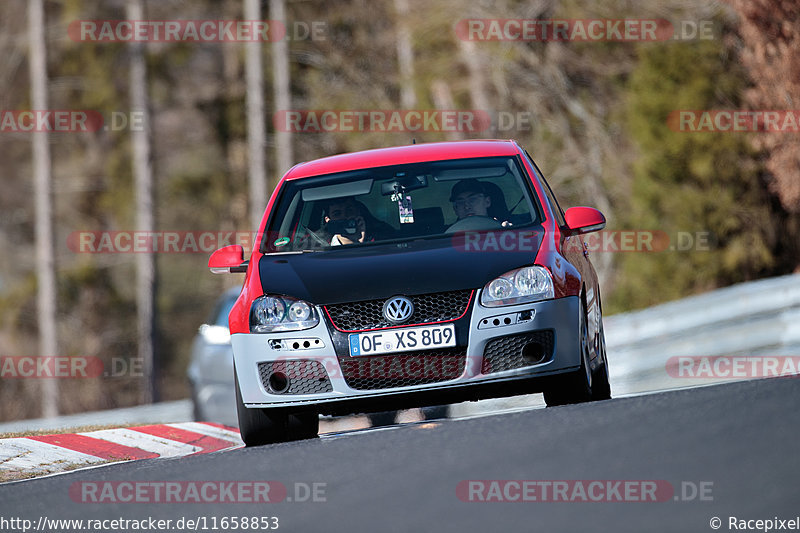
(523,285)
(281,313)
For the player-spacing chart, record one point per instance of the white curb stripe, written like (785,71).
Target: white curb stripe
(22,455)
(34,456)
(149,443)
(211,431)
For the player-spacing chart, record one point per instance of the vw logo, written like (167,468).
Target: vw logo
(398,309)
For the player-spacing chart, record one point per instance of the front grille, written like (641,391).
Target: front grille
(505,353)
(306,376)
(368,314)
(403,370)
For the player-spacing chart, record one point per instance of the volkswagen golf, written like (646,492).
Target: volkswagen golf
(412,276)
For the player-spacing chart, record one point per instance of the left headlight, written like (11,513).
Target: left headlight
(523,285)
(281,313)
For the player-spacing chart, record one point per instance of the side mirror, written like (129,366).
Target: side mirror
(584,220)
(228,259)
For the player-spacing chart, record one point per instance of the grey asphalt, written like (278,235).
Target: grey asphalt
(741,441)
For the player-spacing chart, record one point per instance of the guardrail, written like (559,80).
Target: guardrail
(758,318)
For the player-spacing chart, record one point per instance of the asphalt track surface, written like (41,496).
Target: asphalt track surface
(740,441)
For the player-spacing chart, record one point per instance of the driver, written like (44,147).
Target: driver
(348,221)
(344,222)
(470,198)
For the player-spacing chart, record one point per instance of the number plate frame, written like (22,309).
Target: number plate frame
(401,340)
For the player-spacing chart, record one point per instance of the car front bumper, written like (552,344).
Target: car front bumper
(493,367)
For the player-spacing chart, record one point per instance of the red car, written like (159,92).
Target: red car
(412,276)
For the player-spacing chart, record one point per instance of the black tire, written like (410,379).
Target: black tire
(257,426)
(436,411)
(267,426)
(575,387)
(384,418)
(303,426)
(197,410)
(601,387)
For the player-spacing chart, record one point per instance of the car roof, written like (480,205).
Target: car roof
(413,153)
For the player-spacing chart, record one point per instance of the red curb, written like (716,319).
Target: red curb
(206,442)
(97,447)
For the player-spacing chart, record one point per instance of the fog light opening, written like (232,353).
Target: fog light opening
(533,353)
(278,382)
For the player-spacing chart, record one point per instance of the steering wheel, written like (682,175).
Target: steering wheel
(314,236)
(474,223)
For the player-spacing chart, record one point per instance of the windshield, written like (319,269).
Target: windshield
(421,200)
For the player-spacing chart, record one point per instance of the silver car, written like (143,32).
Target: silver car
(210,370)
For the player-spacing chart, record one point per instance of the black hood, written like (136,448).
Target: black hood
(354,273)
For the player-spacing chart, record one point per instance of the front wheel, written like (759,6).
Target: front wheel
(582,385)
(266,426)
(601,387)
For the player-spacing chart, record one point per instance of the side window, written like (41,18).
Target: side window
(558,212)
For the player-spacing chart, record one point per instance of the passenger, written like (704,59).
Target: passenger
(470,198)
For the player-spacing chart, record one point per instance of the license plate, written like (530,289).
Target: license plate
(402,340)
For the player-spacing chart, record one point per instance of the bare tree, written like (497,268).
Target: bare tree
(405,56)
(281,87)
(256,131)
(143,179)
(443,100)
(770,32)
(45,261)
(477,77)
